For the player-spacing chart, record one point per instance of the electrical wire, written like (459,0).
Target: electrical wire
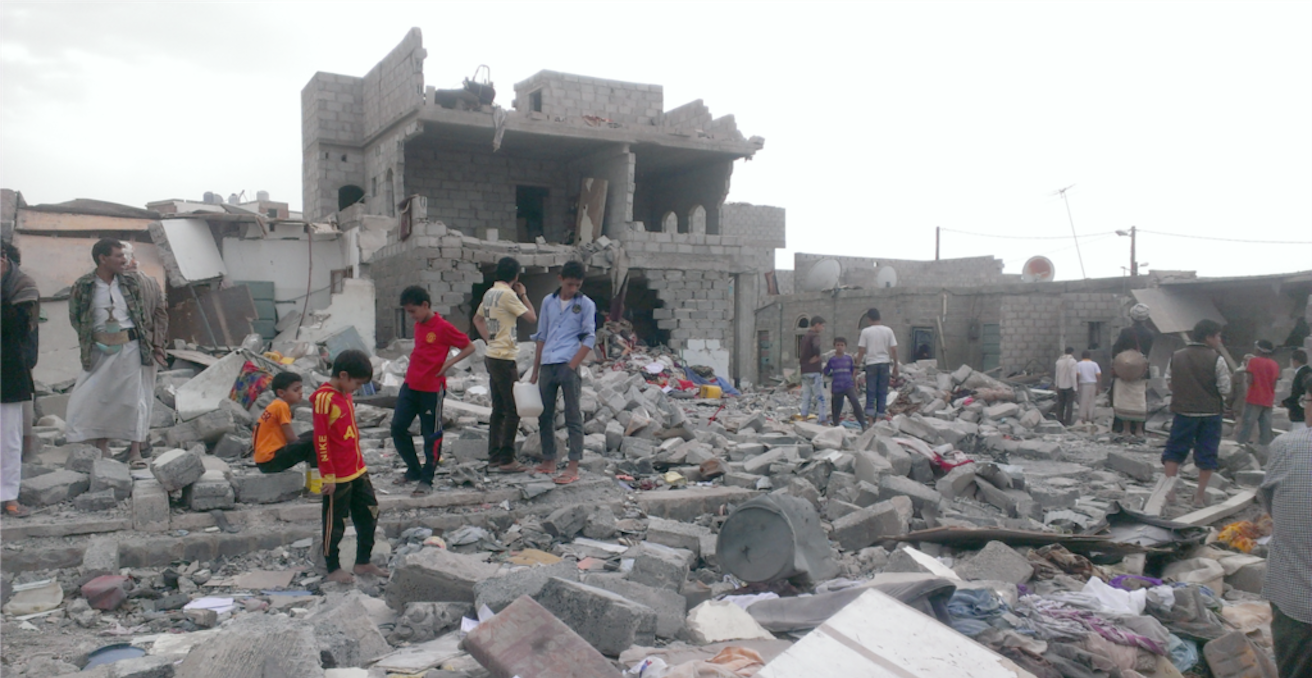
(1029,237)
(1246,240)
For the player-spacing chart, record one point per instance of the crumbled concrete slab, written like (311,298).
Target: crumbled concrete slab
(659,566)
(268,488)
(435,575)
(676,534)
(1139,467)
(422,622)
(346,635)
(150,506)
(996,561)
(81,457)
(608,621)
(177,468)
(718,620)
(232,446)
(670,606)
(108,474)
(101,555)
(920,495)
(257,645)
(52,488)
(502,590)
(92,502)
(567,521)
(211,491)
(688,504)
(510,644)
(864,527)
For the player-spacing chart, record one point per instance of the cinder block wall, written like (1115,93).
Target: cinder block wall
(332,128)
(573,96)
(395,86)
(761,225)
(1031,332)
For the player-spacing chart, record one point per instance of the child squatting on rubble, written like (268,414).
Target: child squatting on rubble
(277,447)
(346,485)
(842,368)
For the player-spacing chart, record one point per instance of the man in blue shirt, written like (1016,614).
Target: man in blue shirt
(567,331)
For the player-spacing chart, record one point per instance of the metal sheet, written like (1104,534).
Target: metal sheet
(1176,311)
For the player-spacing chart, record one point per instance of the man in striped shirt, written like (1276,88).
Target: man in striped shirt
(1286,493)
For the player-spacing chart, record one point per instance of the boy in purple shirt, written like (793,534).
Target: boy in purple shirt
(843,369)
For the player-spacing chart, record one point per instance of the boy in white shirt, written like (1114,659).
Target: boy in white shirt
(1090,380)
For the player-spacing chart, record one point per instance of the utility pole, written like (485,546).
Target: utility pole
(1134,260)
(937,230)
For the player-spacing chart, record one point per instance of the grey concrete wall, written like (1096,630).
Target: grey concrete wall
(861,271)
(332,128)
(572,96)
(1031,332)
(615,164)
(681,192)
(395,86)
(760,224)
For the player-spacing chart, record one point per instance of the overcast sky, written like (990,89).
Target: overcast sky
(882,120)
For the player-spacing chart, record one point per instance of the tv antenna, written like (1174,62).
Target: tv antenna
(1062,193)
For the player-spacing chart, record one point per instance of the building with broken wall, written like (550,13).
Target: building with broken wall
(966,311)
(579,168)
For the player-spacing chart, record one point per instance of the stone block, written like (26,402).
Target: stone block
(150,507)
(255,645)
(567,521)
(502,590)
(601,524)
(1248,578)
(108,474)
(659,566)
(997,562)
(920,495)
(893,452)
(512,644)
(871,466)
(232,446)
(688,504)
(760,464)
(677,535)
(211,491)
(1002,410)
(743,480)
(608,621)
(143,667)
(81,457)
(177,468)
(52,488)
(862,528)
(346,635)
(106,592)
(956,482)
(161,415)
(837,508)
(1139,467)
(1235,656)
(101,555)
(212,426)
(1037,449)
(670,606)
(422,622)
(103,500)
(435,575)
(268,488)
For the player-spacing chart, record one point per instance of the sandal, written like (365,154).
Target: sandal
(511,468)
(421,490)
(14,509)
(138,464)
(402,481)
(565,479)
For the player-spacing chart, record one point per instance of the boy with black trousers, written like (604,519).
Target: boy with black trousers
(277,447)
(346,485)
(425,387)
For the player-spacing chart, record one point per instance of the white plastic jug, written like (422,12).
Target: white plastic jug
(528,399)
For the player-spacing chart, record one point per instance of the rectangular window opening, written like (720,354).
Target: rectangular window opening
(535,101)
(530,212)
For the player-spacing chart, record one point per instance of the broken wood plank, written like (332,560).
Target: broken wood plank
(1211,514)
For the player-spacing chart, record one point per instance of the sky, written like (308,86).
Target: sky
(882,120)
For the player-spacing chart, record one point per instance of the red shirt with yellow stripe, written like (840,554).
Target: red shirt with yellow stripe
(336,437)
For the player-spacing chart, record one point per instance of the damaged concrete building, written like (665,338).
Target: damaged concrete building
(578,168)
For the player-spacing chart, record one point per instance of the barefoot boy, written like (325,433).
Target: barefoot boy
(277,447)
(842,368)
(346,486)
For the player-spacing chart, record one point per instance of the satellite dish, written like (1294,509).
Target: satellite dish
(886,276)
(822,276)
(1038,269)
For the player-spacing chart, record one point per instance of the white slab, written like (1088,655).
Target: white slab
(876,636)
(194,248)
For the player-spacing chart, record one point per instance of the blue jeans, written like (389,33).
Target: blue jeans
(428,407)
(1202,434)
(877,378)
(813,388)
(551,380)
(1262,417)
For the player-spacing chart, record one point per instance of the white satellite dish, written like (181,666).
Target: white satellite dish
(822,276)
(1038,269)
(885,276)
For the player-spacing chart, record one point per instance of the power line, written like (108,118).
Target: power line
(1029,237)
(1246,240)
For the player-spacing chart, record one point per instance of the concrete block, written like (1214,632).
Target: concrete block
(500,591)
(608,621)
(760,464)
(837,508)
(871,466)
(150,507)
(1037,449)
(52,488)
(920,495)
(659,566)
(346,635)
(107,474)
(688,504)
(567,521)
(177,468)
(161,415)
(103,500)
(865,494)
(512,644)
(862,528)
(601,524)
(255,645)
(998,562)
(893,452)
(956,482)
(422,622)
(232,446)
(106,592)
(81,457)
(1248,578)
(743,480)
(143,667)
(212,426)
(1235,656)
(677,535)
(101,555)
(1002,410)
(268,488)
(435,575)
(1139,467)
(670,606)
(211,491)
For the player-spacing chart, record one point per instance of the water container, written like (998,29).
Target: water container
(528,399)
(313,481)
(775,537)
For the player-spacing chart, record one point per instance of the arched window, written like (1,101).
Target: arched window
(349,195)
(697,220)
(670,223)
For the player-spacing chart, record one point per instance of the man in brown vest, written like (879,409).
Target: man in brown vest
(1199,379)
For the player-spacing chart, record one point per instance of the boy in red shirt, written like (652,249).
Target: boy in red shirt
(346,485)
(1262,373)
(425,387)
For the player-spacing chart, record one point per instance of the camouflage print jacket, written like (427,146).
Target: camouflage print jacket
(82,315)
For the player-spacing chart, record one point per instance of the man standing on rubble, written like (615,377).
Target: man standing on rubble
(502,307)
(1064,380)
(567,331)
(1199,379)
(18,326)
(877,351)
(813,378)
(1299,390)
(113,395)
(1263,373)
(1129,367)
(1286,493)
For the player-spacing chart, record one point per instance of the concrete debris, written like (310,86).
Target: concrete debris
(510,644)
(715,621)
(435,575)
(608,621)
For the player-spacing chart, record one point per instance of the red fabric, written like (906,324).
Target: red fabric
(433,343)
(1262,390)
(336,438)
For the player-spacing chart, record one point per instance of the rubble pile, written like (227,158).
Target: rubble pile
(687,546)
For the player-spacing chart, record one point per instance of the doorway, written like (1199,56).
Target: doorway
(530,212)
(922,343)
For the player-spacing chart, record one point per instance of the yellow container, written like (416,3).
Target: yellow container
(708,391)
(313,481)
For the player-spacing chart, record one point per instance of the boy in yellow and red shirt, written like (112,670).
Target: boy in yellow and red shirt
(346,485)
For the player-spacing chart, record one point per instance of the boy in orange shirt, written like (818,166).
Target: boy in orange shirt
(277,447)
(346,485)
